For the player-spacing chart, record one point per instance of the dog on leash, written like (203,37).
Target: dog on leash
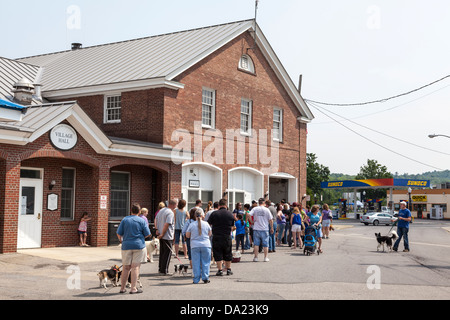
(386,240)
(181,269)
(112,275)
(152,247)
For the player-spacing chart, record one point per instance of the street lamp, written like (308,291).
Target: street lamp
(431,136)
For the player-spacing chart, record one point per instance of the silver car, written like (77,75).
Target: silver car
(376,218)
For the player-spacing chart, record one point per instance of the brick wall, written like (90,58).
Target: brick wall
(92,181)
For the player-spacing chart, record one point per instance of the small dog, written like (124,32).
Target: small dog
(152,248)
(112,275)
(181,269)
(386,240)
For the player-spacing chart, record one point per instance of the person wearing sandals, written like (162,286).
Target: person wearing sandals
(132,232)
(316,220)
(326,221)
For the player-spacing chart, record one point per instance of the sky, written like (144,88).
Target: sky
(348,51)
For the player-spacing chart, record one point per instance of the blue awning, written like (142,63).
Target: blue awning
(11,105)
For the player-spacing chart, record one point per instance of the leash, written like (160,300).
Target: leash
(173,252)
(393,225)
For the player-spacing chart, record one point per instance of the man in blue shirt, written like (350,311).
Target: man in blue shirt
(404,217)
(132,232)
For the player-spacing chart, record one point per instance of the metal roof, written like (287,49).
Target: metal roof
(11,72)
(139,59)
(37,116)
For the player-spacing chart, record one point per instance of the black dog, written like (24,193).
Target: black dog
(386,240)
(181,269)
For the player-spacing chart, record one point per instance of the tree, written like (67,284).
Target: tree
(374,170)
(315,174)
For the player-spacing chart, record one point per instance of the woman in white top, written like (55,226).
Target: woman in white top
(199,233)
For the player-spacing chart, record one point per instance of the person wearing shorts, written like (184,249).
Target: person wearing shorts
(132,232)
(263,226)
(221,222)
(296,222)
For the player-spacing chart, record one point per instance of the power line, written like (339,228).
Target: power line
(378,101)
(388,109)
(378,144)
(382,133)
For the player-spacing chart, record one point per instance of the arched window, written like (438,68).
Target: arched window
(246,64)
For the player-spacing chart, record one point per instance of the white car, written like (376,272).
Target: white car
(376,218)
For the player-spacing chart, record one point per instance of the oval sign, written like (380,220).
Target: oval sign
(63,137)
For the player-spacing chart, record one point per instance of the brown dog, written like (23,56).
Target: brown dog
(112,275)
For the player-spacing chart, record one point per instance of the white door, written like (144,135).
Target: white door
(30,214)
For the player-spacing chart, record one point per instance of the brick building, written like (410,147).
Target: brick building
(205,113)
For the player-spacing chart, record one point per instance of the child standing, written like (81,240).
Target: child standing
(240,232)
(82,229)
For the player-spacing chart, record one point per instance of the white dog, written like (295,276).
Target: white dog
(152,247)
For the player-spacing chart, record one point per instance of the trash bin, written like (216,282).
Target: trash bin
(112,233)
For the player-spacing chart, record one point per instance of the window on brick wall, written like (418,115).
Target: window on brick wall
(113,109)
(208,108)
(68,194)
(246,116)
(120,194)
(278,124)
(246,64)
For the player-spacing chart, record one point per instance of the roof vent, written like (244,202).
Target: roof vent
(23,91)
(76,46)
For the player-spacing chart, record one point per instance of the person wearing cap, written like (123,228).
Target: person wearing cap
(404,218)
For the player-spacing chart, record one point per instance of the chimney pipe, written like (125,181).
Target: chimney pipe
(300,80)
(76,46)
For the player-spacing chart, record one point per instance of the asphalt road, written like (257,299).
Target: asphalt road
(349,268)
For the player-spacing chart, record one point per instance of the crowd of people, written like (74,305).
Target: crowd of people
(206,236)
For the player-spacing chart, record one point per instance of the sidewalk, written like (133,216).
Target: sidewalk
(76,255)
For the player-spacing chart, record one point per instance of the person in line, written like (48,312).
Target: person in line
(316,220)
(273,211)
(132,232)
(222,221)
(288,231)
(143,214)
(281,224)
(249,219)
(240,232)
(191,219)
(181,215)
(199,232)
(165,231)
(327,218)
(262,228)
(296,223)
(404,218)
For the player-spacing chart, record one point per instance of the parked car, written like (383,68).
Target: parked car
(376,218)
(387,210)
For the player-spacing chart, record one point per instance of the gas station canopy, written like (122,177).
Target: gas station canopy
(375,183)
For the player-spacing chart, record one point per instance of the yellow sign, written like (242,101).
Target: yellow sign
(419,198)
(335,184)
(417,183)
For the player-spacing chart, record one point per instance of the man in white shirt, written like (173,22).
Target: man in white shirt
(165,232)
(262,226)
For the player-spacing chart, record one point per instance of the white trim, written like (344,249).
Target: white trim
(105,104)
(253,170)
(280,133)
(213,109)
(250,116)
(208,166)
(113,87)
(282,175)
(94,137)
